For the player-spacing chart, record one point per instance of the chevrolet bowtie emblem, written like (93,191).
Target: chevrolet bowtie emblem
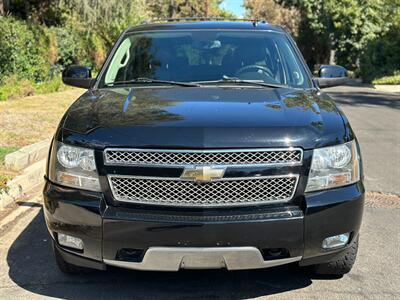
(203,174)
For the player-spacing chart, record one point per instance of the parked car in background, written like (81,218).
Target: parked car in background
(200,145)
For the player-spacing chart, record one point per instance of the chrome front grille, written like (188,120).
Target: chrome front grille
(221,192)
(181,158)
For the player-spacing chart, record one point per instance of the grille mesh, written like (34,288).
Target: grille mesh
(182,158)
(215,193)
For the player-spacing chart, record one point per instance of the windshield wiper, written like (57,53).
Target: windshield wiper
(150,80)
(227,79)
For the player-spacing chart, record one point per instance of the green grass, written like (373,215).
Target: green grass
(14,88)
(27,120)
(395,79)
(54,85)
(4,151)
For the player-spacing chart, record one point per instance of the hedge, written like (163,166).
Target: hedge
(19,52)
(381,57)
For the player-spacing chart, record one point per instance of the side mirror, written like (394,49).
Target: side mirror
(331,76)
(78,76)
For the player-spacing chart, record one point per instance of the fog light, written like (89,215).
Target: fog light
(336,241)
(70,241)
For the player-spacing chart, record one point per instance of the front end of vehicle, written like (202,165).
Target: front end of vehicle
(133,208)
(203,145)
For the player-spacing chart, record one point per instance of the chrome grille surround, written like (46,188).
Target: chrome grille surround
(183,158)
(230,191)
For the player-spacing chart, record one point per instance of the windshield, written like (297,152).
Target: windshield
(207,55)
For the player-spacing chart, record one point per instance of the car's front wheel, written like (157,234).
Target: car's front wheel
(342,265)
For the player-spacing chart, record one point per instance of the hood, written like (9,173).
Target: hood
(203,117)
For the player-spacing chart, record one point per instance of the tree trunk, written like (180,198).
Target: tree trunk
(332,56)
(4,7)
(332,51)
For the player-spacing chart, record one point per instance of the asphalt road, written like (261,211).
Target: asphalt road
(27,268)
(28,271)
(375,118)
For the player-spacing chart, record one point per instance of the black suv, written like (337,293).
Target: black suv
(204,144)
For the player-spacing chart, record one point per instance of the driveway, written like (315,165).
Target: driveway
(28,271)
(375,118)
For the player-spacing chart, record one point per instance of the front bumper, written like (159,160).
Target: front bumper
(170,240)
(175,258)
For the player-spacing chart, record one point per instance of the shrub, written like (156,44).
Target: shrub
(71,46)
(395,79)
(46,43)
(14,87)
(97,51)
(19,54)
(3,183)
(51,86)
(381,56)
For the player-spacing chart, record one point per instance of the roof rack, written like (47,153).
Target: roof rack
(191,19)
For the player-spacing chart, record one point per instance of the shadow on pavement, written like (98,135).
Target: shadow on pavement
(363,97)
(32,267)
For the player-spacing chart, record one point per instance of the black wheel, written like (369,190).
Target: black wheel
(341,265)
(66,267)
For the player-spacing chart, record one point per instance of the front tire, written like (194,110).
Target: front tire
(66,267)
(342,265)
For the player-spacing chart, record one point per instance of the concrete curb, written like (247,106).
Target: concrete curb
(32,177)
(388,88)
(26,156)
(30,161)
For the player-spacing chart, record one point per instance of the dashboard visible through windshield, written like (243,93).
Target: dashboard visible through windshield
(206,56)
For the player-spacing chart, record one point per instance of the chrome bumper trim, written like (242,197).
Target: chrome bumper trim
(173,259)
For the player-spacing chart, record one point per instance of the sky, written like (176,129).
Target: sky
(234,6)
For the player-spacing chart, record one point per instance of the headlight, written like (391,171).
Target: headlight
(334,166)
(74,167)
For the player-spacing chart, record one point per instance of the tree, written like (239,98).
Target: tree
(184,8)
(381,56)
(4,7)
(345,26)
(40,11)
(105,18)
(274,13)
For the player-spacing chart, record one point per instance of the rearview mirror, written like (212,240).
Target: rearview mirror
(78,76)
(329,75)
